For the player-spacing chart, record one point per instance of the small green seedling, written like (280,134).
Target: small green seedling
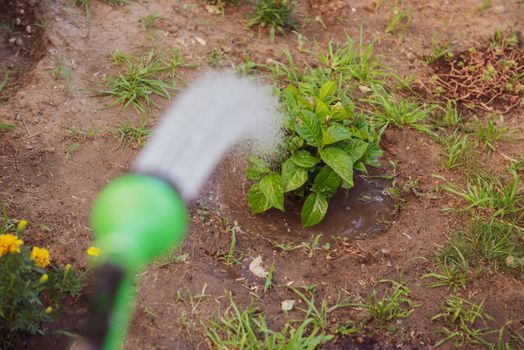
(310,247)
(233,256)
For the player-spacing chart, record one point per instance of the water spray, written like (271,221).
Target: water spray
(142,215)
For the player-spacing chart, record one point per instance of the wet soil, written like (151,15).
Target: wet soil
(55,195)
(364,210)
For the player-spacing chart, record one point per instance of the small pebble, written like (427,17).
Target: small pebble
(28,29)
(19,41)
(18,21)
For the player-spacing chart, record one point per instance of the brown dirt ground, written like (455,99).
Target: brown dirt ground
(55,196)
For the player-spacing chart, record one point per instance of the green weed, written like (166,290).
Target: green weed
(286,247)
(353,61)
(454,271)
(486,4)
(268,283)
(310,247)
(393,303)
(392,111)
(438,51)
(6,127)
(148,22)
(319,314)
(490,132)
(491,243)
(78,133)
(467,323)
(214,57)
(451,118)
(62,72)
(459,150)
(248,329)
(502,40)
(274,14)
(494,195)
(68,152)
(140,78)
(233,256)
(128,133)
(399,21)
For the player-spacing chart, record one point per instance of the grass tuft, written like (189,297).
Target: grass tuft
(141,78)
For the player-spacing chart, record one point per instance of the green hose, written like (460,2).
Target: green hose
(136,219)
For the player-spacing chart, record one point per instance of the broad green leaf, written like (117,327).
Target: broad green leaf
(326,182)
(355,148)
(336,133)
(321,109)
(347,185)
(308,126)
(338,112)
(360,167)
(314,209)
(339,161)
(257,201)
(295,143)
(293,176)
(271,187)
(293,91)
(304,159)
(256,168)
(327,89)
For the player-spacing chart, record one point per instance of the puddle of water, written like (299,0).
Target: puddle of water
(364,210)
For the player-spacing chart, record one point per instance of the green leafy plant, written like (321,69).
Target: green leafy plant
(325,142)
(31,288)
(275,14)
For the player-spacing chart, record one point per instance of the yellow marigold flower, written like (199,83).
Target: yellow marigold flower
(44,278)
(9,244)
(93,251)
(48,310)
(21,226)
(40,256)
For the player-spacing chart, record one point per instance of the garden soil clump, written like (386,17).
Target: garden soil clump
(68,142)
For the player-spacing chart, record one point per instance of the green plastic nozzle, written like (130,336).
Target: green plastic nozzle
(136,218)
